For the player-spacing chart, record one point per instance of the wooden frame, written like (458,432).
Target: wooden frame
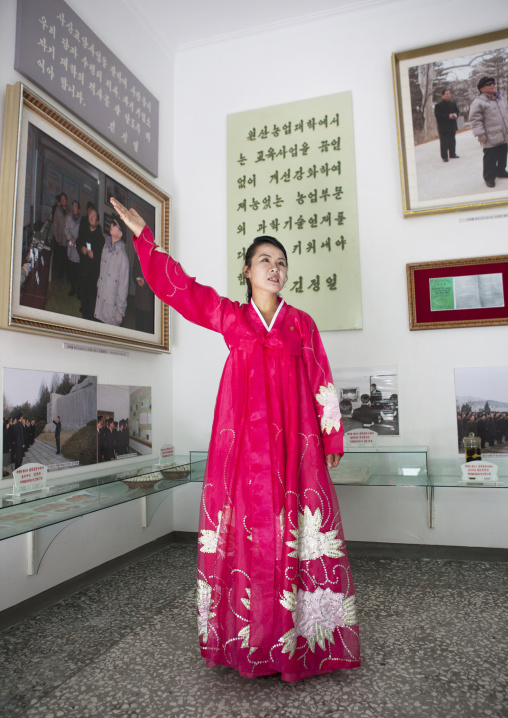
(441,295)
(428,185)
(51,143)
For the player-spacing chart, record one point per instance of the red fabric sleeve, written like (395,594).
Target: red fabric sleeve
(196,302)
(321,383)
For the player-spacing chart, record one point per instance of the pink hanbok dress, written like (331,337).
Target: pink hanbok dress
(275,593)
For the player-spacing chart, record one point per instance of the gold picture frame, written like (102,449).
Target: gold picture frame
(458,293)
(428,184)
(46,152)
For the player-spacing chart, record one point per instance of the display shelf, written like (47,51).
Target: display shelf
(72,497)
(383,466)
(198,465)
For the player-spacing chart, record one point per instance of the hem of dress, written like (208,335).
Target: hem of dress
(286,677)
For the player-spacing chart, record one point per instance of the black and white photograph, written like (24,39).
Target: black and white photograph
(49,418)
(453,125)
(369,398)
(481,395)
(124,422)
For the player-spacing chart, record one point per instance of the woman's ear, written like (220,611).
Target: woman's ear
(246,270)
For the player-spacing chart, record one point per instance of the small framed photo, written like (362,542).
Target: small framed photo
(450,152)
(458,293)
(56,228)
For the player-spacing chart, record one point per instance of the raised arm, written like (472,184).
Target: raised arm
(326,401)
(196,302)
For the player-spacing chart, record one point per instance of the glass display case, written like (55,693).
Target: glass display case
(383,466)
(105,486)
(67,498)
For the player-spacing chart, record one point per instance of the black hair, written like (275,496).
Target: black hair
(447,89)
(122,226)
(251,251)
(75,200)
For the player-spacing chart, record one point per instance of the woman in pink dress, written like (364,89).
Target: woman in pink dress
(275,593)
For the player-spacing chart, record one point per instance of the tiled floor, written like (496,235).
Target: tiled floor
(434,644)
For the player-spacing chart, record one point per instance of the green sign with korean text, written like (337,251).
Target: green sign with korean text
(291,175)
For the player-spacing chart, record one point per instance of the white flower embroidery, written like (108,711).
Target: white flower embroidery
(204,613)
(244,634)
(209,539)
(327,397)
(282,523)
(310,542)
(316,614)
(246,601)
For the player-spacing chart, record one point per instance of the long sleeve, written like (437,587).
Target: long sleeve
(321,383)
(196,302)
(476,118)
(69,227)
(123,286)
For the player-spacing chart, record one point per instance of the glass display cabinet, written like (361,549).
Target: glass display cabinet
(45,513)
(105,486)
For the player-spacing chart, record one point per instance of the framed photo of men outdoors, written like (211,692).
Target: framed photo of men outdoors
(69,267)
(451,104)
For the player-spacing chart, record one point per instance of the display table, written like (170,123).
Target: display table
(43,515)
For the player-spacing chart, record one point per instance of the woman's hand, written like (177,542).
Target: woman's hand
(131,218)
(332,460)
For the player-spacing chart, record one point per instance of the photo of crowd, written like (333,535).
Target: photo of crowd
(482,408)
(78,258)
(124,421)
(48,419)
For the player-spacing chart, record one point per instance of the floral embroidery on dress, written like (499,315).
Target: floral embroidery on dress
(310,542)
(210,539)
(244,633)
(204,613)
(327,397)
(316,614)
(246,601)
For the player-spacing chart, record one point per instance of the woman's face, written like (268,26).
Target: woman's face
(268,269)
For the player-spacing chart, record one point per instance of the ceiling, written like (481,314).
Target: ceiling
(184,23)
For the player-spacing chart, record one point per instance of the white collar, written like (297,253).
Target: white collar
(274,316)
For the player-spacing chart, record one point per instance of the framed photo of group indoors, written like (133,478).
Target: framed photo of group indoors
(69,266)
(451,103)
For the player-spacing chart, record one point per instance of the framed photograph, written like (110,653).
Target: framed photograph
(369,398)
(442,127)
(481,401)
(458,293)
(56,217)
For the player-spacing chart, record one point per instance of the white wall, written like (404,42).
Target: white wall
(102,536)
(348,51)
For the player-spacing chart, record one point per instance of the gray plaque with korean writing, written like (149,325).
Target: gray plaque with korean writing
(57,51)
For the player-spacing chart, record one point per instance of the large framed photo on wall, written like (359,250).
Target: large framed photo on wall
(69,267)
(449,139)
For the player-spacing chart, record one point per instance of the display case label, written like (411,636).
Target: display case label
(30,477)
(360,438)
(479,471)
